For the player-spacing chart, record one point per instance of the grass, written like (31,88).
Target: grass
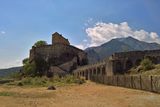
(4,93)
(138,70)
(45,82)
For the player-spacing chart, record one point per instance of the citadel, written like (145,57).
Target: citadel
(62,58)
(58,58)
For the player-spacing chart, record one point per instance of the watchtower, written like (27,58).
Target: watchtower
(58,38)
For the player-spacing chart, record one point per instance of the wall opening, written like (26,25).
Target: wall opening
(119,67)
(94,71)
(103,70)
(98,70)
(86,76)
(129,65)
(138,62)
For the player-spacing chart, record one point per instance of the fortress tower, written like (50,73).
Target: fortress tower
(59,39)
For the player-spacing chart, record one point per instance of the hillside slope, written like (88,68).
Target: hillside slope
(118,45)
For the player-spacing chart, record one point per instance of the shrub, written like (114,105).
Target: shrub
(68,79)
(40,43)
(29,69)
(147,64)
(16,75)
(45,82)
(25,61)
(36,81)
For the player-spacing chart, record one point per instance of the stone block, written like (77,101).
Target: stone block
(156,83)
(146,83)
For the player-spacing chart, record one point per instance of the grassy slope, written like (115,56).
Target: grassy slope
(155,71)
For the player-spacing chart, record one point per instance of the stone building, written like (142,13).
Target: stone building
(58,58)
(57,38)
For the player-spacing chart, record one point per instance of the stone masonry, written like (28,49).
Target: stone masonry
(118,63)
(59,57)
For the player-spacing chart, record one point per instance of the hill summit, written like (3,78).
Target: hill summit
(118,45)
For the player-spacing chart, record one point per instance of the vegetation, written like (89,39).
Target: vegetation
(40,43)
(45,82)
(4,93)
(33,74)
(25,61)
(146,64)
(29,69)
(145,67)
(155,71)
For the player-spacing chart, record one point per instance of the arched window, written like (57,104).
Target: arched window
(119,68)
(98,70)
(103,70)
(129,64)
(94,71)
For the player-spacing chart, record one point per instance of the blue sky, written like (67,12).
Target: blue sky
(23,22)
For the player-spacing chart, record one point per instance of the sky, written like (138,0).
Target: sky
(85,23)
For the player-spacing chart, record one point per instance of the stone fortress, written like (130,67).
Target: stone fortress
(58,58)
(118,63)
(62,58)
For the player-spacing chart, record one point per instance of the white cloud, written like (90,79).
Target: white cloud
(88,22)
(2,32)
(85,40)
(80,46)
(83,45)
(104,32)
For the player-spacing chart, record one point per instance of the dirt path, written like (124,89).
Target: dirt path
(87,95)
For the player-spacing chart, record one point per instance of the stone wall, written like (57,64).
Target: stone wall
(147,83)
(57,38)
(64,56)
(123,61)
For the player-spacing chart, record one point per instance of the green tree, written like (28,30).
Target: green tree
(29,69)
(40,43)
(25,61)
(147,64)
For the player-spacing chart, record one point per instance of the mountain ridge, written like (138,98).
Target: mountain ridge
(98,53)
(9,71)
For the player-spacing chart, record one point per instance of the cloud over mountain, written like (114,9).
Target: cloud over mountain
(104,32)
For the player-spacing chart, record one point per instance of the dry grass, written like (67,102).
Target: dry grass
(155,71)
(86,95)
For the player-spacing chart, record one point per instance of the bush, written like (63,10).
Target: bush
(16,75)
(70,79)
(40,43)
(147,64)
(29,69)
(36,81)
(45,82)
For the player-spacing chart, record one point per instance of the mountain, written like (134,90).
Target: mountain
(6,72)
(118,45)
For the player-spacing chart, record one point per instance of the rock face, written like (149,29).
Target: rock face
(60,57)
